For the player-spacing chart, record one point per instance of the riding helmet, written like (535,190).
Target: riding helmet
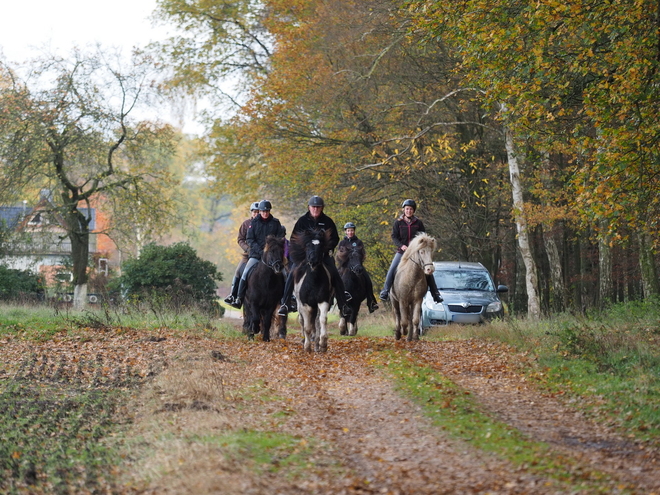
(409,202)
(255,206)
(264,205)
(316,201)
(349,225)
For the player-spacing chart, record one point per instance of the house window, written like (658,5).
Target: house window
(36,220)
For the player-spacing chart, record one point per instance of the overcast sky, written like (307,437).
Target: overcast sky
(26,26)
(30,27)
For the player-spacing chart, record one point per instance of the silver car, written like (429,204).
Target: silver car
(468,292)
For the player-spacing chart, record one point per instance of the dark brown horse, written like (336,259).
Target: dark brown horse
(410,285)
(312,286)
(349,264)
(264,289)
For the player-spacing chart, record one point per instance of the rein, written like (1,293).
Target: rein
(273,265)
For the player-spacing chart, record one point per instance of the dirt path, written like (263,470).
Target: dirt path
(356,434)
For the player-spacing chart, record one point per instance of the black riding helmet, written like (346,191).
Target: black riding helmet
(316,201)
(349,225)
(264,205)
(409,202)
(254,206)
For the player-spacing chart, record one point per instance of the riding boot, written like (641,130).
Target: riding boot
(372,305)
(238,301)
(433,287)
(389,278)
(288,293)
(234,288)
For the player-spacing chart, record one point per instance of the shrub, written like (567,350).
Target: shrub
(15,284)
(174,271)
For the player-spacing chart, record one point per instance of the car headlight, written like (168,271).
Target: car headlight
(494,307)
(433,306)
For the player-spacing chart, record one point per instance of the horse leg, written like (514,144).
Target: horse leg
(323,327)
(397,319)
(342,326)
(307,324)
(352,327)
(416,316)
(266,319)
(281,327)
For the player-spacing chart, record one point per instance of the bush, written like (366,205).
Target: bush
(15,284)
(174,271)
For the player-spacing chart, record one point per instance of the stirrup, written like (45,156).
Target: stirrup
(373,307)
(229,299)
(283,311)
(347,296)
(237,303)
(437,297)
(384,295)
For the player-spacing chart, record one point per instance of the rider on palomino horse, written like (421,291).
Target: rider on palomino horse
(404,230)
(316,219)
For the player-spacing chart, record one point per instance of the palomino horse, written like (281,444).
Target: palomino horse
(265,288)
(349,265)
(410,285)
(312,286)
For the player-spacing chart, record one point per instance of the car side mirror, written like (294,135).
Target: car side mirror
(502,288)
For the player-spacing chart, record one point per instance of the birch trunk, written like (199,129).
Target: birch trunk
(531,277)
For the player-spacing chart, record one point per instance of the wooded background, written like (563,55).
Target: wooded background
(527,132)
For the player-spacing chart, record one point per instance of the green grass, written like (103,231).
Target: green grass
(41,323)
(268,451)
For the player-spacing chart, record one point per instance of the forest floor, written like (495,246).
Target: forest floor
(250,417)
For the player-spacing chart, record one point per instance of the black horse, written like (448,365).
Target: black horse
(349,265)
(264,289)
(312,286)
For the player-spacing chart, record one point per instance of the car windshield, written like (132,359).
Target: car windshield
(463,280)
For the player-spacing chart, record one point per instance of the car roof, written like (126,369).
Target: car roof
(455,265)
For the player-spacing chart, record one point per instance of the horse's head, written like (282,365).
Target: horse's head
(309,247)
(273,254)
(350,257)
(420,251)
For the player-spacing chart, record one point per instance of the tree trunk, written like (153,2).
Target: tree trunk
(647,266)
(531,277)
(558,293)
(605,281)
(79,235)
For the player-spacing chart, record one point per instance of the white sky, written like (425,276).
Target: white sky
(30,24)
(28,27)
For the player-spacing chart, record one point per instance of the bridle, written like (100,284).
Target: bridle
(420,262)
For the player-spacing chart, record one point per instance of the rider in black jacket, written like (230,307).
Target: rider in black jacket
(351,240)
(260,228)
(316,219)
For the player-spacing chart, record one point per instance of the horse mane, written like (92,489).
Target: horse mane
(273,241)
(421,241)
(299,242)
(342,255)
